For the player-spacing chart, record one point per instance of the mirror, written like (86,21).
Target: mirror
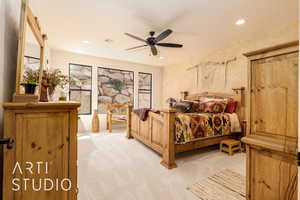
(31,56)
(31,52)
(31,64)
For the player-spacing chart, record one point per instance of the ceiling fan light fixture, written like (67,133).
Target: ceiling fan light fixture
(153,42)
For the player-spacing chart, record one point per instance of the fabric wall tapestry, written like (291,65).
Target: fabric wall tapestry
(81,87)
(114,87)
(31,63)
(212,76)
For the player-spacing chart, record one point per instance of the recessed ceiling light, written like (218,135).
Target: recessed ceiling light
(86,42)
(161,57)
(240,22)
(108,40)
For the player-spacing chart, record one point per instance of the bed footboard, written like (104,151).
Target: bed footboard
(157,132)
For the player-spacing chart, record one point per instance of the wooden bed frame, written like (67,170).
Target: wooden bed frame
(157,132)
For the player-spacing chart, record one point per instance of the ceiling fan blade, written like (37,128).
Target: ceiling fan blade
(136,47)
(135,37)
(163,35)
(170,45)
(154,50)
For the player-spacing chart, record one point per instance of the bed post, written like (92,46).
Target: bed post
(240,96)
(168,139)
(129,111)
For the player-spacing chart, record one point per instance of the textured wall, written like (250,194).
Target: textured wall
(176,78)
(61,59)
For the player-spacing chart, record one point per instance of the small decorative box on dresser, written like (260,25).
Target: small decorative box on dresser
(272,134)
(43,161)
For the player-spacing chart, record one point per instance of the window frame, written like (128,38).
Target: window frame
(84,90)
(143,91)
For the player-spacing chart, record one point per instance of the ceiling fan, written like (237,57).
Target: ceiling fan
(154,41)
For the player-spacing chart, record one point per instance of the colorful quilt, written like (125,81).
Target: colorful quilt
(193,126)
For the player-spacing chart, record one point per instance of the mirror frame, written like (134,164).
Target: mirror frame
(27,18)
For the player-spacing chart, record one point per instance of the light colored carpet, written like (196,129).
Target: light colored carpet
(111,167)
(226,184)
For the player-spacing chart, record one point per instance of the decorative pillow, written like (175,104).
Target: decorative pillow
(215,106)
(231,106)
(194,105)
(183,106)
(201,107)
(209,99)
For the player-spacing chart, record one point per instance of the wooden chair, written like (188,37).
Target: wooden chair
(116,114)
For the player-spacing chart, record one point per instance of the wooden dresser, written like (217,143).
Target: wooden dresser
(272,134)
(45,147)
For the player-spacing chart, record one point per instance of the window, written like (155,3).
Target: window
(115,86)
(31,63)
(81,87)
(145,90)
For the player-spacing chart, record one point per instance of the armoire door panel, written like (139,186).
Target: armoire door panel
(270,117)
(272,177)
(274,95)
(272,140)
(274,70)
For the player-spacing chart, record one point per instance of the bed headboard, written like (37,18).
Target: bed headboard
(238,94)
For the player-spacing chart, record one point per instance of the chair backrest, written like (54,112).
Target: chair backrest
(117,108)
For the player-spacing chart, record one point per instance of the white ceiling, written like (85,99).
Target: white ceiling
(198,24)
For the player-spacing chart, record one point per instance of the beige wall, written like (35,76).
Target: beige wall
(176,78)
(61,59)
(9,26)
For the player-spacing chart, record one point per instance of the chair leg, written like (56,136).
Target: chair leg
(110,126)
(107,124)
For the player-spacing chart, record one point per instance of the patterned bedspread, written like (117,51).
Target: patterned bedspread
(193,126)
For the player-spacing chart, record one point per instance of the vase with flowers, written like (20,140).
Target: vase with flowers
(55,78)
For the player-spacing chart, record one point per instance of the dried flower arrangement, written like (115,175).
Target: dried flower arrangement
(55,78)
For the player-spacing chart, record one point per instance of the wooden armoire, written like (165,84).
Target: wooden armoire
(272,131)
(42,151)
